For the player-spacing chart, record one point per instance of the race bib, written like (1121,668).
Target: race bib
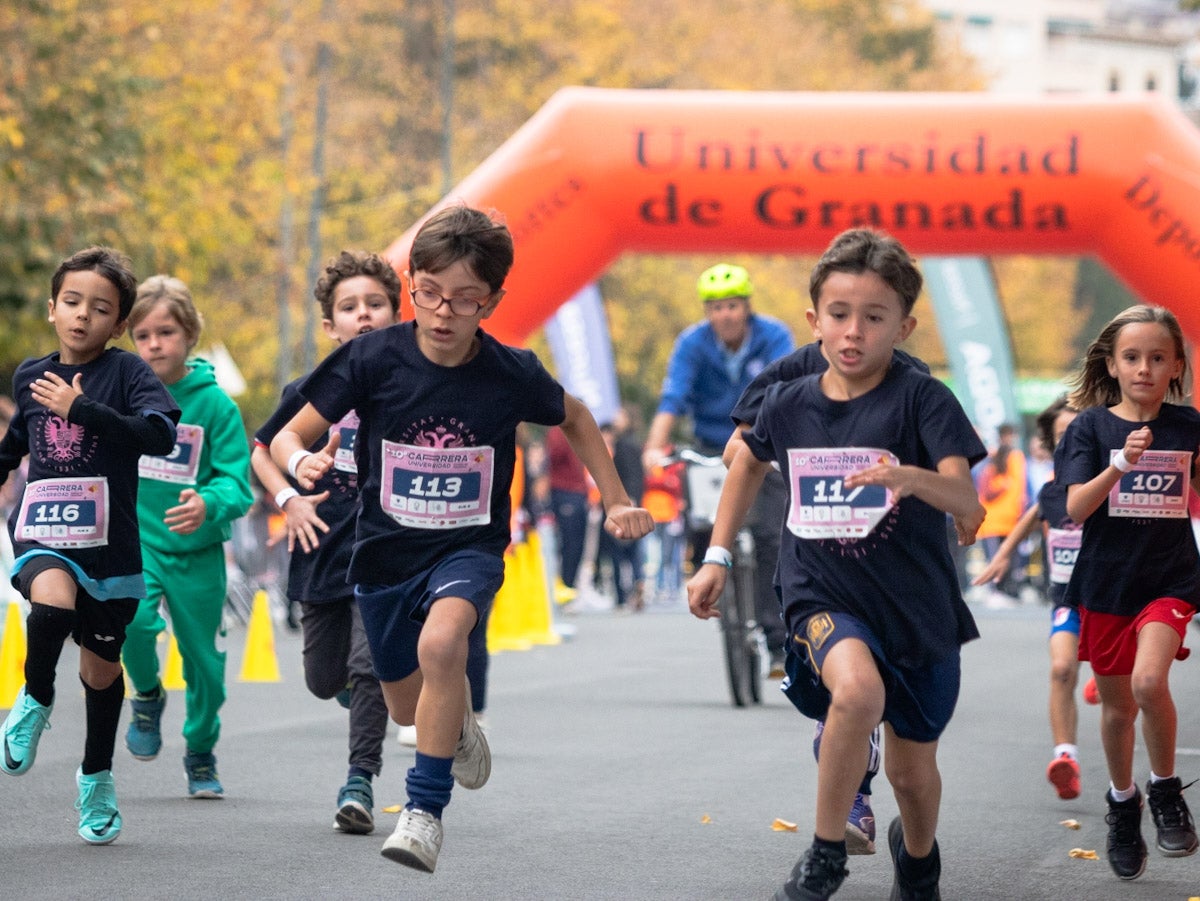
(437,487)
(1062,548)
(1157,487)
(347,428)
(182,464)
(64,513)
(821,504)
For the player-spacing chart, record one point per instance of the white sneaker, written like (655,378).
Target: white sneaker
(416,840)
(407,736)
(472,757)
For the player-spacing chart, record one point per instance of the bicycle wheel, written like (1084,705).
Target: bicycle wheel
(738,632)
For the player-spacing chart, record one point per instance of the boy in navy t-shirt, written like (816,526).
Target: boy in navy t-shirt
(876,454)
(439,402)
(85,414)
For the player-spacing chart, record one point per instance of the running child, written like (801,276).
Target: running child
(438,401)
(1126,462)
(85,414)
(1061,541)
(359,293)
(875,454)
(187,502)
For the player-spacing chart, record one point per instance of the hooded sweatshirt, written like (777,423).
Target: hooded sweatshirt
(211,456)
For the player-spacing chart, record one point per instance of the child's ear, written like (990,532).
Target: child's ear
(907,328)
(119,329)
(50,310)
(490,307)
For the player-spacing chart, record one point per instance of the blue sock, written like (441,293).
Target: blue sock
(429,783)
(359,771)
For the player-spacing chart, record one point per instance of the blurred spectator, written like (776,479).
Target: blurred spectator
(1003,491)
(625,557)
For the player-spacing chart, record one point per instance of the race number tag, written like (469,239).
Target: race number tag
(347,428)
(821,504)
(437,487)
(1062,547)
(1157,487)
(64,513)
(182,464)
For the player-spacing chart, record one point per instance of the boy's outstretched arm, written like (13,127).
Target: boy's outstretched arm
(622,519)
(299,511)
(301,431)
(949,489)
(746,474)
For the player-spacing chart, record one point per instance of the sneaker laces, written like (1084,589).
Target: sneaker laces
(98,799)
(27,724)
(822,871)
(422,826)
(1170,809)
(1125,823)
(203,772)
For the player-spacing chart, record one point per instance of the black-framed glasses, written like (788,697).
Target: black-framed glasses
(459,306)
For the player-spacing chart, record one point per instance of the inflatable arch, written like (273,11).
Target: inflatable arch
(597,172)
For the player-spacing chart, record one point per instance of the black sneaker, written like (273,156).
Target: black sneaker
(1172,819)
(1126,848)
(905,889)
(815,877)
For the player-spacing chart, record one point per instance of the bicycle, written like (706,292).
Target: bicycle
(742,638)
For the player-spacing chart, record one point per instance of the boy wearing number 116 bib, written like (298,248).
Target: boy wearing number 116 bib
(439,402)
(875,454)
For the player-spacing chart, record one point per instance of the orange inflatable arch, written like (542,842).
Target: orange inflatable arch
(597,172)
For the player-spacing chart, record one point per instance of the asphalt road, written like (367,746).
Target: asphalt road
(620,772)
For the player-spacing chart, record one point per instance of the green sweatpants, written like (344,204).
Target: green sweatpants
(193,587)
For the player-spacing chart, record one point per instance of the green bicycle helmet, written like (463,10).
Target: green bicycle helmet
(723,281)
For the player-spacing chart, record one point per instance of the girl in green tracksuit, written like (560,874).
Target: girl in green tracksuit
(186,502)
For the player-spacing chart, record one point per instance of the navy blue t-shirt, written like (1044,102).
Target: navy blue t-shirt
(806,360)
(1126,562)
(320,575)
(436,445)
(1060,555)
(81,457)
(899,579)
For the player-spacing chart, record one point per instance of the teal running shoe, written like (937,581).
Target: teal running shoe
(143,738)
(202,776)
(99,819)
(355,801)
(22,729)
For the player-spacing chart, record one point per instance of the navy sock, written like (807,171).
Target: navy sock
(46,629)
(103,707)
(359,771)
(429,783)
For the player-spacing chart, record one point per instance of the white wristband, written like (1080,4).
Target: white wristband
(718,555)
(1122,462)
(294,461)
(285,495)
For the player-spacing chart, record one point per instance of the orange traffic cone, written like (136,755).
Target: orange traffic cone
(259,663)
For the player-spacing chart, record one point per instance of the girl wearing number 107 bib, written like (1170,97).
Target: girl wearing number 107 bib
(1129,463)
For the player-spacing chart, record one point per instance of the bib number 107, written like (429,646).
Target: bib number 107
(1153,482)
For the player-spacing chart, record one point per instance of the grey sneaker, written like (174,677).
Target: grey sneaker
(472,757)
(416,840)
(143,738)
(355,801)
(202,776)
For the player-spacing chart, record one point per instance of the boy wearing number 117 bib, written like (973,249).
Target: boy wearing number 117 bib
(438,402)
(875,454)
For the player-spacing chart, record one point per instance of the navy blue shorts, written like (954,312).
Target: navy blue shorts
(918,702)
(393,615)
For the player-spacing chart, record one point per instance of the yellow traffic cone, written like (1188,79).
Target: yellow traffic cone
(259,663)
(12,656)
(172,679)
(534,597)
(504,626)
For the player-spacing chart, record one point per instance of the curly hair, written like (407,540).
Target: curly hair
(352,263)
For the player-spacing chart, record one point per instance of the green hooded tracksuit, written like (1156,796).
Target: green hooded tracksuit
(212,457)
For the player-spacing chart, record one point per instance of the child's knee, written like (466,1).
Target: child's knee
(1149,687)
(1063,671)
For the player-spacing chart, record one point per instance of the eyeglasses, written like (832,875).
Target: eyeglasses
(459,306)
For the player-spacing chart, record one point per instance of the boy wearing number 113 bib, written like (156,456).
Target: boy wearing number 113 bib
(875,454)
(439,402)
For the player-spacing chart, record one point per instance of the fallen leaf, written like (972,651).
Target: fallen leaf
(706,819)
(394,808)
(784,826)
(1082,854)
(1070,824)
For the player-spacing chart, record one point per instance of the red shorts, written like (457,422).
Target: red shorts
(1110,641)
